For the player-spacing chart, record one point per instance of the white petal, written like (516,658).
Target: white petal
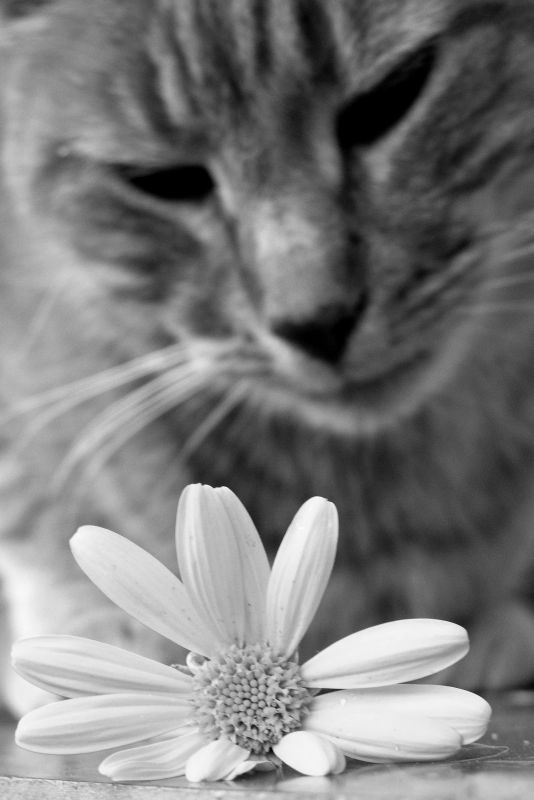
(463,711)
(71,666)
(258,763)
(388,737)
(309,753)
(222,563)
(152,762)
(86,724)
(215,761)
(300,574)
(394,652)
(140,585)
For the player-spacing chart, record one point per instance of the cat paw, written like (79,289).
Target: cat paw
(501,655)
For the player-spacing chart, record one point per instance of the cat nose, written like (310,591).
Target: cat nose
(324,337)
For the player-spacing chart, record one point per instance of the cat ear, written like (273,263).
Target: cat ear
(15,9)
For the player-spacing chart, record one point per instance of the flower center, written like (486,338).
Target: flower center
(249,696)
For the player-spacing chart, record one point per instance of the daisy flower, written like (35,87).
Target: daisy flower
(242,701)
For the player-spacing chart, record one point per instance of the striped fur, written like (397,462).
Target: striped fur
(142,340)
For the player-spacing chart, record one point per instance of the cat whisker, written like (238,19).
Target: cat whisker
(507,281)
(501,308)
(507,231)
(485,329)
(70,395)
(126,417)
(239,428)
(96,461)
(216,416)
(22,283)
(519,252)
(42,316)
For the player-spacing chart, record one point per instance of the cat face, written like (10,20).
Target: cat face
(306,208)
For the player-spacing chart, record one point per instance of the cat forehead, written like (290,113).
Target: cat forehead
(284,17)
(227,50)
(138,65)
(273,30)
(278,25)
(220,45)
(268,35)
(232,41)
(251,35)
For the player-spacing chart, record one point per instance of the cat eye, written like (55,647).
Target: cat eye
(372,115)
(179,184)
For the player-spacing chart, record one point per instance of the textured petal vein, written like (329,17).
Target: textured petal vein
(300,574)
(71,666)
(463,711)
(140,585)
(87,724)
(155,761)
(394,652)
(384,737)
(222,563)
(215,761)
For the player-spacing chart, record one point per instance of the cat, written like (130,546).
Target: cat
(283,246)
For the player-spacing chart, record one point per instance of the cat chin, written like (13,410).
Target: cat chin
(355,402)
(310,396)
(344,409)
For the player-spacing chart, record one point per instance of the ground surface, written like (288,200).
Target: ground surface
(501,767)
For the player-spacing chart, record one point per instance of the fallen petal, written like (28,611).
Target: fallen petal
(300,574)
(394,652)
(388,737)
(87,724)
(310,753)
(222,563)
(155,761)
(71,666)
(258,763)
(140,585)
(463,711)
(215,761)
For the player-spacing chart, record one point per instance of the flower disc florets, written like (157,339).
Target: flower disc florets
(249,696)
